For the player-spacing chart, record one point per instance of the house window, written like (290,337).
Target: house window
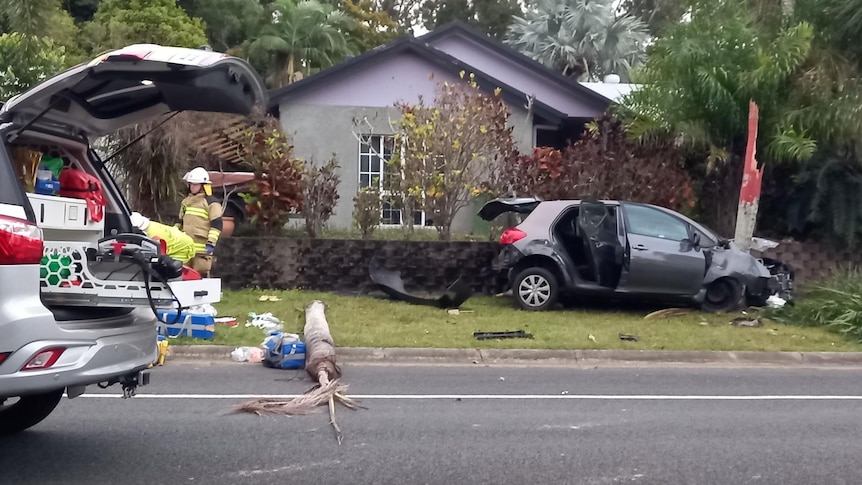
(545,136)
(375,167)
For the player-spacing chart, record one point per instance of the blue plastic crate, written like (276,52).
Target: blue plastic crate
(194,325)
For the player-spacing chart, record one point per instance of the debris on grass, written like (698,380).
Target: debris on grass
(633,338)
(269,298)
(495,335)
(265,321)
(746,322)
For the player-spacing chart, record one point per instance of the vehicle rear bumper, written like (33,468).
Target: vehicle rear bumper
(84,362)
(501,268)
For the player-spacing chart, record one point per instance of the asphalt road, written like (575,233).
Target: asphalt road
(456,424)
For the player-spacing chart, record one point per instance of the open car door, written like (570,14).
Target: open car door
(135,84)
(597,225)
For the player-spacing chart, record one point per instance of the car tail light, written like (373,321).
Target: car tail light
(20,242)
(511,235)
(44,359)
(3,356)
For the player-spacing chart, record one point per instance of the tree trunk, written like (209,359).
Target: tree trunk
(319,346)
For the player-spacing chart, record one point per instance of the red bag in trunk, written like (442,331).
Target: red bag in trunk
(79,184)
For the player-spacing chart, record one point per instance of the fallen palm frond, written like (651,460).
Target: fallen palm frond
(669,313)
(307,403)
(321,365)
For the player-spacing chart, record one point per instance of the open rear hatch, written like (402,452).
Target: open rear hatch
(135,84)
(115,90)
(518,205)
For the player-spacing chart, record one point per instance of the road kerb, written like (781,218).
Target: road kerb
(584,357)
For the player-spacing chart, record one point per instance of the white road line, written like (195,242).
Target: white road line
(599,397)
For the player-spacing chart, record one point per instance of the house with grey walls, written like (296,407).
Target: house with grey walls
(349,109)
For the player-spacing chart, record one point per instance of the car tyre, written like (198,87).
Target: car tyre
(27,411)
(536,289)
(724,295)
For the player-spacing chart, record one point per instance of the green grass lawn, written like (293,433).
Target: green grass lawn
(371,322)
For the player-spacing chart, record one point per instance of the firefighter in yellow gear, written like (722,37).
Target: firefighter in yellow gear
(180,245)
(201,218)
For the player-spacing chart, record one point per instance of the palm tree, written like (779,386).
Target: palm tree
(31,18)
(584,39)
(300,36)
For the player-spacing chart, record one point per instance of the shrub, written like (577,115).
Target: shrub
(450,146)
(320,194)
(604,164)
(367,210)
(277,189)
(835,302)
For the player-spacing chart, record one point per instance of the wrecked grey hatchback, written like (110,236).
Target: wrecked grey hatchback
(587,248)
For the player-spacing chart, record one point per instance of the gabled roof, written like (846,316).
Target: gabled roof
(459,27)
(409,44)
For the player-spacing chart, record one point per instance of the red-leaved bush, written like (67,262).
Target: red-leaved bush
(603,164)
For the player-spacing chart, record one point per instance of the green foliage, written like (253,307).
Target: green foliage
(118,23)
(277,190)
(371,27)
(658,15)
(22,67)
(32,18)
(367,210)
(229,23)
(81,10)
(822,198)
(581,38)
(37,21)
(404,12)
(835,302)
(701,76)
(320,194)
(299,37)
(66,33)
(491,17)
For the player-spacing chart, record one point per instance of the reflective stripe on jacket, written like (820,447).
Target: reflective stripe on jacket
(200,217)
(180,245)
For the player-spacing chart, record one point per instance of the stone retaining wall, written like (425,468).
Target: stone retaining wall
(342,265)
(426,266)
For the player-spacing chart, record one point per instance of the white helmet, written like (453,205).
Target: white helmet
(140,221)
(198,175)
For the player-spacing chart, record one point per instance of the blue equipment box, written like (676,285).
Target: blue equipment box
(284,352)
(194,325)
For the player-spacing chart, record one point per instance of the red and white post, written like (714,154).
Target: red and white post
(749,193)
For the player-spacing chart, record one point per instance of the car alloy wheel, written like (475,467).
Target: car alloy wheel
(535,289)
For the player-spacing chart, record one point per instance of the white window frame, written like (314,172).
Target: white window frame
(376,144)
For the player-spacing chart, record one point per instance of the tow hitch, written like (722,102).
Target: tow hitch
(129,382)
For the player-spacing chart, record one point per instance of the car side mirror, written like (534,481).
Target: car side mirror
(695,240)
